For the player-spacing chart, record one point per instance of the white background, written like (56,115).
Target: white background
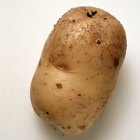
(24,27)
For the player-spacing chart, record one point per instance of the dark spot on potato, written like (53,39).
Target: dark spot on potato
(105,18)
(59,85)
(91,13)
(82,127)
(78,61)
(85,53)
(102,98)
(39,64)
(63,127)
(98,41)
(116,61)
(69,127)
(94,13)
(70,99)
(86,78)
(70,46)
(79,95)
(47,113)
(73,20)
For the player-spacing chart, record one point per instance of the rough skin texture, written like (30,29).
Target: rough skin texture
(78,68)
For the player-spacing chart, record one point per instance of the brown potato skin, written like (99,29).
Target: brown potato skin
(78,68)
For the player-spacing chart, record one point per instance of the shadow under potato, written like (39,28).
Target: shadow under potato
(107,123)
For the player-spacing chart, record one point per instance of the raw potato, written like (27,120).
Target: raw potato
(78,68)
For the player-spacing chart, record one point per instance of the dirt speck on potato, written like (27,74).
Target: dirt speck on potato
(45,73)
(59,85)
(86,78)
(69,127)
(98,41)
(82,127)
(63,127)
(47,113)
(79,94)
(102,98)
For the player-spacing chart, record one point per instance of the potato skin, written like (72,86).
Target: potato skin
(78,68)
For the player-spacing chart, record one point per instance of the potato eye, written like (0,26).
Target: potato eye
(91,13)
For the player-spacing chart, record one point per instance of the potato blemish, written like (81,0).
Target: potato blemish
(63,127)
(91,13)
(98,41)
(47,113)
(69,127)
(59,85)
(82,127)
(62,66)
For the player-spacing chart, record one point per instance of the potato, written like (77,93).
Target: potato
(78,69)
